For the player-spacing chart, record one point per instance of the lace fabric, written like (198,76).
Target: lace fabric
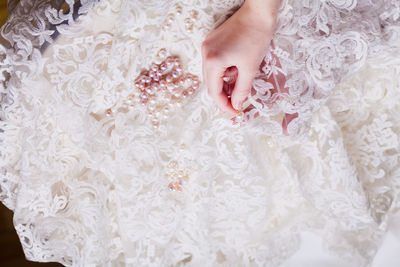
(91,189)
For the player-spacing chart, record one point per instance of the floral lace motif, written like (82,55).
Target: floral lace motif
(90,189)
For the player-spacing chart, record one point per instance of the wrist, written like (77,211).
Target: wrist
(264,12)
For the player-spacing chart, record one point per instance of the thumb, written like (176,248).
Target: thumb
(242,88)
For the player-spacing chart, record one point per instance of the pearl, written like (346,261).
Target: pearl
(189,29)
(143,79)
(162,53)
(161,89)
(188,80)
(155,86)
(170,18)
(194,14)
(270,142)
(143,95)
(154,67)
(188,22)
(167,26)
(169,61)
(175,74)
(178,10)
(170,86)
(178,69)
(163,84)
(163,67)
(240,117)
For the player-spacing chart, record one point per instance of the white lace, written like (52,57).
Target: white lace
(89,189)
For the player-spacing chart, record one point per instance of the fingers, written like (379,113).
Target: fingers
(215,89)
(242,88)
(213,72)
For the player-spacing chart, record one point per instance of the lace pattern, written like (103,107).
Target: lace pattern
(87,188)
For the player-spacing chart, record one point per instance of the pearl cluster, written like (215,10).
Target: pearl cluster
(161,89)
(176,175)
(189,21)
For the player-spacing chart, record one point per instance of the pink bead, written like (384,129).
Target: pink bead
(168,78)
(169,61)
(163,67)
(163,84)
(154,67)
(175,74)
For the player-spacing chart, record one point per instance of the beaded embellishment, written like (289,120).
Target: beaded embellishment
(179,168)
(176,175)
(161,89)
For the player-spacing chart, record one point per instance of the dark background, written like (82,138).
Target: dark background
(11,253)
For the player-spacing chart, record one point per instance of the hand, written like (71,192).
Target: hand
(238,46)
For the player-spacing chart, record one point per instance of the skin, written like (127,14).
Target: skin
(236,49)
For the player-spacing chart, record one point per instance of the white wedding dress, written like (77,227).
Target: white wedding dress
(87,174)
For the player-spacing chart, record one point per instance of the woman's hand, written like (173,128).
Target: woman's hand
(239,44)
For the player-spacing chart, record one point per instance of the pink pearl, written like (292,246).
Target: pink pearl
(163,67)
(156,86)
(169,61)
(163,84)
(154,67)
(170,86)
(175,74)
(143,79)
